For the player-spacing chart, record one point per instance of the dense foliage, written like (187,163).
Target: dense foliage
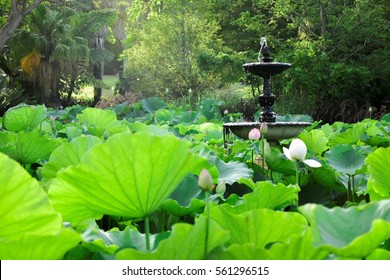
(176,48)
(123,183)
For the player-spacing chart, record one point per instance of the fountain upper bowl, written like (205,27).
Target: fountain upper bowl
(276,131)
(266,69)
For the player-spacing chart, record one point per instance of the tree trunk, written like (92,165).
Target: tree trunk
(17,12)
(98,72)
(322,18)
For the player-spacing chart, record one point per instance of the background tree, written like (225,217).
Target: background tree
(17,10)
(170,48)
(50,54)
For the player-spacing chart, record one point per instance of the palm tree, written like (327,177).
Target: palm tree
(52,54)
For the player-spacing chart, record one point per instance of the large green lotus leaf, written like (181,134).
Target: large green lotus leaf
(68,154)
(7,140)
(100,122)
(247,251)
(188,117)
(379,170)
(153,104)
(109,242)
(174,208)
(379,254)
(128,175)
(24,117)
(351,136)
(262,227)
(352,232)
(31,147)
(345,159)
(315,140)
(386,118)
(24,207)
(277,163)
(39,247)
(186,242)
(163,116)
(326,177)
(29,226)
(268,195)
(232,171)
(300,248)
(187,198)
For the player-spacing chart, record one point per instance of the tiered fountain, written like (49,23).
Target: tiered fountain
(266,68)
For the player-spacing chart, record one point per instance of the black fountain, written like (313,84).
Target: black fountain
(267,69)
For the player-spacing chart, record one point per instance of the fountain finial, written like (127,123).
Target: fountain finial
(264,53)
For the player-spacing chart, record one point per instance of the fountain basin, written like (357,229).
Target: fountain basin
(266,69)
(276,130)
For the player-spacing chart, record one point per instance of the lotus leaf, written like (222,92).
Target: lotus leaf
(315,141)
(24,117)
(186,242)
(98,122)
(353,232)
(350,136)
(153,104)
(30,147)
(345,159)
(29,226)
(68,154)
(128,175)
(379,170)
(262,227)
(268,195)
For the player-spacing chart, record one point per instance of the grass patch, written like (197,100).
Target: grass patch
(109,80)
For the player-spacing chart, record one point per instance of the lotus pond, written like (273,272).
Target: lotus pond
(152,181)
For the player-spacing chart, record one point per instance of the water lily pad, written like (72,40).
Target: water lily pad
(128,175)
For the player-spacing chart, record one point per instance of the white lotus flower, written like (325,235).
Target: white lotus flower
(297,152)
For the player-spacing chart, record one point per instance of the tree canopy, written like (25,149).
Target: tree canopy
(176,48)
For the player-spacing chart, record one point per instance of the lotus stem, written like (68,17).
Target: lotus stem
(349,188)
(147,233)
(207,224)
(353,187)
(263,155)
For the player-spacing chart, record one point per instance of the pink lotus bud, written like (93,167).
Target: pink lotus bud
(254,134)
(205,181)
(263,127)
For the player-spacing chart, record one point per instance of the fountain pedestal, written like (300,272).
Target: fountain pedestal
(266,68)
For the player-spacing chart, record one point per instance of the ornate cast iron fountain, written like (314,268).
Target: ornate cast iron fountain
(267,69)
